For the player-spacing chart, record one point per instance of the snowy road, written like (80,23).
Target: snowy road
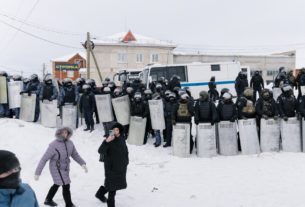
(156,178)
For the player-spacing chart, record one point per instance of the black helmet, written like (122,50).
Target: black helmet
(48,80)
(204,95)
(107,79)
(17,77)
(224,90)
(34,77)
(67,82)
(3,73)
(26,80)
(80,81)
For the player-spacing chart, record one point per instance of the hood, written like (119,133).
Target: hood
(60,130)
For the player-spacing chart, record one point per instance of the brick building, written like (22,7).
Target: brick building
(68,66)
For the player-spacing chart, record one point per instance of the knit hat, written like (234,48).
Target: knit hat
(8,161)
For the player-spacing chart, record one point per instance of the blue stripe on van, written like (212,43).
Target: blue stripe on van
(206,83)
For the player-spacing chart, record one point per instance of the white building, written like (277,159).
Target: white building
(128,50)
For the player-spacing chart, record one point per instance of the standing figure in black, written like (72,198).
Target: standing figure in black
(114,153)
(205,110)
(287,103)
(213,93)
(86,106)
(48,91)
(241,83)
(170,104)
(257,83)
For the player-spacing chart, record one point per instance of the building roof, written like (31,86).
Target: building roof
(68,57)
(132,39)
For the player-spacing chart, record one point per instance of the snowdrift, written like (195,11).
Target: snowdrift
(156,178)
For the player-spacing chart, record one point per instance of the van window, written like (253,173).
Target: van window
(215,67)
(168,72)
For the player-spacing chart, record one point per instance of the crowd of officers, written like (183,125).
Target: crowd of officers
(179,104)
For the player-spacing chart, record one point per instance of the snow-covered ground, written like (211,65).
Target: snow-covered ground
(156,178)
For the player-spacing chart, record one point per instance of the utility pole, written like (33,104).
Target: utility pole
(88,47)
(43,70)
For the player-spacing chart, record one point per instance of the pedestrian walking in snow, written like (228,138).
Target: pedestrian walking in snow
(14,193)
(58,154)
(114,153)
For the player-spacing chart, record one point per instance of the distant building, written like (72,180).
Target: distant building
(268,65)
(128,51)
(68,66)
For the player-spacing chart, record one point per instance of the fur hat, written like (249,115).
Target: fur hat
(8,161)
(119,126)
(60,130)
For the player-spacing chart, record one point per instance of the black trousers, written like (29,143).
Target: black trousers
(168,130)
(65,192)
(111,196)
(88,115)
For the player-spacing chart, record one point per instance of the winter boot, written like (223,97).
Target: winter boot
(100,194)
(87,129)
(50,203)
(92,128)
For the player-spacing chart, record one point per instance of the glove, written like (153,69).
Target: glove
(232,119)
(75,103)
(285,118)
(29,93)
(21,92)
(265,117)
(212,123)
(174,122)
(36,177)
(299,117)
(275,117)
(85,168)
(50,99)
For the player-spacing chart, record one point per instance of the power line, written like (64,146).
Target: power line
(38,37)
(40,27)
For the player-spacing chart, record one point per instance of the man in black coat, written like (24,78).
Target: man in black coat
(86,106)
(114,153)
(241,83)
(257,83)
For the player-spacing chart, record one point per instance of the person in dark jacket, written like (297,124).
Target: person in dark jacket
(114,153)
(241,83)
(14,193)
(257,83)
(79,84)
(266,106)
(213,93)
(205,110)
(174,82)
(47,90)
(300,82)
(138,106)
(33,87)
(291,79)
(148,131)
(86,106)
(227,110)
(245,105)
(281,78)
(183,113)
(95,91)
(58,154)
(169,105)
(287,103)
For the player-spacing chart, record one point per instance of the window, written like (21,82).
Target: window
(139,58)
(272,72)
(168,72)
(155,58)
(215,67)
(122,57)
(70,73)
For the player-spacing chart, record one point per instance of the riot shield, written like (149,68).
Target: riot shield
(136,130)
(121,106)
(27,108)
(104,107)
(227,133)
(248,136)
(49,112)
(206,140)
(14,97)
(3,90)
(291,135)
(270,135)
(302,90)
(156,114)
(69,116)
(276,93)
(181,140)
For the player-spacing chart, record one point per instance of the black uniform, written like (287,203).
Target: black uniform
(227,110)
(257,83)
(287,105)
(213,93)
(86,106)
(205,112)
(241,83)
(170,104)
(266,106)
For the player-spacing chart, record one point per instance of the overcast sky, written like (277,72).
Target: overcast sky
(212,26)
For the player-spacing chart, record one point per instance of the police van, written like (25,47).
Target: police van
(196,76)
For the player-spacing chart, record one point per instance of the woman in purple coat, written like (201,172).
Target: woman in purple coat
(59,153)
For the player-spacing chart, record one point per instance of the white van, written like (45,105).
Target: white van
(196,76)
